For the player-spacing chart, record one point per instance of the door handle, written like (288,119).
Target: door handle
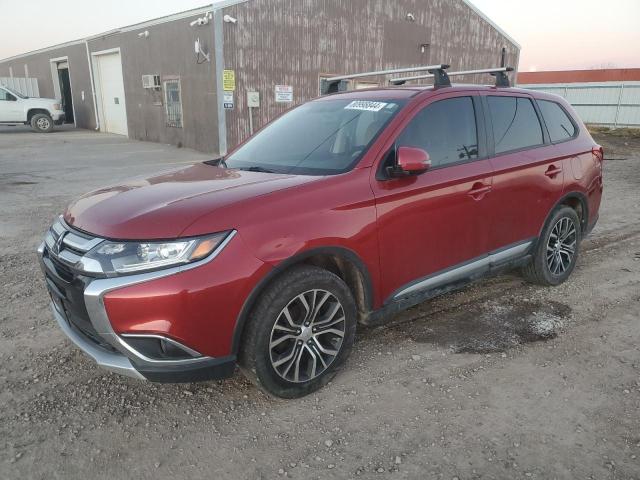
(479,190)
(553,171)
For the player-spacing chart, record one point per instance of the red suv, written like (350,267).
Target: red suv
(345,210)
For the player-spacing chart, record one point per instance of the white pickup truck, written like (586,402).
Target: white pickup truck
(40,113)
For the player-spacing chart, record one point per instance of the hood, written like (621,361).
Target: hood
(41,102)
(163,206)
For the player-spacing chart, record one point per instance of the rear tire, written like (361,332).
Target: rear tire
(557,249)
(41,122)
(299,333)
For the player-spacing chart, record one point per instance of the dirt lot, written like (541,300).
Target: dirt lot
(501,380)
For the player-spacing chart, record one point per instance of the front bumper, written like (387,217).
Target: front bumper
(162,309)
(58,117)
(114,361)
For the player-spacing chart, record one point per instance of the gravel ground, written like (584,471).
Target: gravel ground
(500,380)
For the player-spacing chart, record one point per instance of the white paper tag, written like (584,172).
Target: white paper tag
(366,106)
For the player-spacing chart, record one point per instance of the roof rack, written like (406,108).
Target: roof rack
(502,80)
(437,72)
(339,84)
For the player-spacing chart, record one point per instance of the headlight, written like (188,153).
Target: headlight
(57,106)
(133,257)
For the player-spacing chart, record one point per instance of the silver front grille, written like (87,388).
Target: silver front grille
(69,246)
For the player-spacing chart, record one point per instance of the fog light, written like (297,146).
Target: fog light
(157,348)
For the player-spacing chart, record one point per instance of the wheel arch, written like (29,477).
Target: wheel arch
(34,111)
(576,200)
(341,261)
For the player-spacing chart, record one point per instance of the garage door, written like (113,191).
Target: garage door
(111,93)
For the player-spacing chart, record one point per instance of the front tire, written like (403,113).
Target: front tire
(300,333)
(41,122)
(557,249)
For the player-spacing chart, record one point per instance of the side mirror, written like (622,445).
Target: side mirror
(410,161)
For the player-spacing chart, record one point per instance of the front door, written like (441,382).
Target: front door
(10,108)
(437,222)
(65,94)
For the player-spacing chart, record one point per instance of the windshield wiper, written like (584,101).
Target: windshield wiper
(257,169)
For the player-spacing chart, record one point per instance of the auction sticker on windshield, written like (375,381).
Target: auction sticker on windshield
(366,106)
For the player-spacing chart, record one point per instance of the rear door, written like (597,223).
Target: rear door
(436,221)
(528,173)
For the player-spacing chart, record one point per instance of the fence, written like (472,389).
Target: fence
(611,104)
(25,86)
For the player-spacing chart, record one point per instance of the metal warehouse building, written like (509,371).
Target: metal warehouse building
(190,78)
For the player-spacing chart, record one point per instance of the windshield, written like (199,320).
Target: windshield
(14,92)
(318,138)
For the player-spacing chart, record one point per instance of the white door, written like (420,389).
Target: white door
(111,87)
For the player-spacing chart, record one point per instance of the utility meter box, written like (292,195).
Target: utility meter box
(253,99)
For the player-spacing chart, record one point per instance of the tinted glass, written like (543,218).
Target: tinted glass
(14,93)
(515,123)
(558,123)
(446,130)
(318,138)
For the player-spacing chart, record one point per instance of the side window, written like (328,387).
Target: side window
(515,123)
(558,122)
(446,130)
(6,96)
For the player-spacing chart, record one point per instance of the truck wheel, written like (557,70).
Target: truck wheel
(300,333)
(557,249)
(41,122)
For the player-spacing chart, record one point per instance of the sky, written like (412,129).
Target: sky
(554,34)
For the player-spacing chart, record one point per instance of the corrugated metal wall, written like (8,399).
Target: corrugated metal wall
(275,42)
(294,42)
(25,86)
(611,104)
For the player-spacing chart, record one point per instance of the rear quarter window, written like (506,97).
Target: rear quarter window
(515,124)
(559,124)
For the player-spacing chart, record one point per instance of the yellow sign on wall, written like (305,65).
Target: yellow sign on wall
(229,80)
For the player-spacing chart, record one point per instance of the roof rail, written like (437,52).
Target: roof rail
(502,80)
(339,84)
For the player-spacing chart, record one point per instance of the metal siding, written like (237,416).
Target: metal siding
(293,42)
(629,115)
(611,104)
(274,42)
(594,96)
(25,86)
(168,52)
(631,94)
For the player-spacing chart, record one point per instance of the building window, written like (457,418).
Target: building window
(173,103)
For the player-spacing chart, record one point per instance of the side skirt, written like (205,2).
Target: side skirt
(452,280)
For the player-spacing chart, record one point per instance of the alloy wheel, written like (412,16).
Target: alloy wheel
(561,246)
(307,336)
